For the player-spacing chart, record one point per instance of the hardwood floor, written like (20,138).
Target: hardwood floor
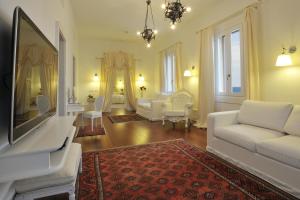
(139,132)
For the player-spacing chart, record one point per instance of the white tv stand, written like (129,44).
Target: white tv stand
(40,153)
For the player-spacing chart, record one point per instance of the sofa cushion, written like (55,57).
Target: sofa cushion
(265,114)
(145,105)
(64,176)
(245,136)
(284,149)
(292,125)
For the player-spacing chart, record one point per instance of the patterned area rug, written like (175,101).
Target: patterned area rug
(172,170)
(87,131)
(125,118)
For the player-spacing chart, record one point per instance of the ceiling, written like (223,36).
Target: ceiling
(121,19)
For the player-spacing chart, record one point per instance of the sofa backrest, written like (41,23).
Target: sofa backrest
(265,114)
(292,125)
(162,96)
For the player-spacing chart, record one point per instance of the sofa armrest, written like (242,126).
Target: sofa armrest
(220,119)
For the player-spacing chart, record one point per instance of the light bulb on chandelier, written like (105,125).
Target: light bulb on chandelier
(188,9)
(173,26)
(148,45)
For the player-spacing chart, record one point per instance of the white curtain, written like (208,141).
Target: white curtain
(110,64)
(206,76)
(250,25)
(129,80)
(162,73)
(174,50)
(107,79)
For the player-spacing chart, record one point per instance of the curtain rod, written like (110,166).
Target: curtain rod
(255,5)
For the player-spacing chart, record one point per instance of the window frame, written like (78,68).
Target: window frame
(225,29)
(171,56)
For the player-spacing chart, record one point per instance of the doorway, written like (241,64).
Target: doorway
(62,75)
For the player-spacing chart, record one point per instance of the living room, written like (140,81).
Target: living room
(143,103)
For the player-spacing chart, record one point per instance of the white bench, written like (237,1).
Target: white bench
(63,181)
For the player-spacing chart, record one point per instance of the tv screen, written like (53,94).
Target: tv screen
(35,74)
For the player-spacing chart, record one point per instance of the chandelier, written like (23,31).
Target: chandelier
(148,34)
(174,11)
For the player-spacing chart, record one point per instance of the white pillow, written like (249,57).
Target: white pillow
(265,114)
(292,125)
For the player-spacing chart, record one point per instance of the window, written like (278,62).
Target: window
(229,60)
(169,68)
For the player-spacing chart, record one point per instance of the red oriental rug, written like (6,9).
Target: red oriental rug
(172,170)
(125,118)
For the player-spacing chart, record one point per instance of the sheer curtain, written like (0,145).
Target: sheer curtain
(174,50)
(250,25)
(129,80)
(162,73)
(206,76)
(107,79)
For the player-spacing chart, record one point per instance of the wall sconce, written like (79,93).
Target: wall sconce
(285,59)
(96,77)
(188,73)
(140,80)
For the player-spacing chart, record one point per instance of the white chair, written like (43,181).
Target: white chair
(43,104)
(178,108)
(96,113)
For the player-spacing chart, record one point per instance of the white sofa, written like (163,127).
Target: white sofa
(151,108)
(262,138)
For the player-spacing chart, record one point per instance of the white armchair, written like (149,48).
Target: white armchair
(178,108)
(151,108)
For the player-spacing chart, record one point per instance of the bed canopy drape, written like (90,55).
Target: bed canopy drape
(110,64)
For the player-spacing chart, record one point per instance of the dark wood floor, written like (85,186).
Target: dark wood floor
(139,132)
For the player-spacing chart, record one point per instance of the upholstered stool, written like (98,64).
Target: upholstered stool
(60,182)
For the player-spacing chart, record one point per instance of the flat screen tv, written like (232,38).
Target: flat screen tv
(34,77)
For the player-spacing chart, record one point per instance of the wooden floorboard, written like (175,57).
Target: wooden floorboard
(139,132)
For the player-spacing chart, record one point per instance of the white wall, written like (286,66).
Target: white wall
(92,48)
(186,34)
(280,27)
